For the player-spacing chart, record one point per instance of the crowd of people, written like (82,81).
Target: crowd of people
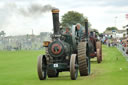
(120,43)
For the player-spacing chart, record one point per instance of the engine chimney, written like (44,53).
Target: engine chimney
(86,28)
(55,14)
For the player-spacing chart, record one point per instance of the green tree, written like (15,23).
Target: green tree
(71,18)
(111,28)
(2,33)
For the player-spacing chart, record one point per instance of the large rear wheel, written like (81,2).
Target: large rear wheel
(41,67)
(98,55)
(83,60)
(73,67)
(99,51)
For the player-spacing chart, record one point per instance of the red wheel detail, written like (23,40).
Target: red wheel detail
(56,48)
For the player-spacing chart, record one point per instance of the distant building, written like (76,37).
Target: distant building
(110,32)
(115,33)
(24,42)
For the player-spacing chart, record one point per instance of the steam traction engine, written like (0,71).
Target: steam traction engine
(65,53)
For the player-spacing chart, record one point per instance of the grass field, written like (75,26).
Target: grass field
(19,68)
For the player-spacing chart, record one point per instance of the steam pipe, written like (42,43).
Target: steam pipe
(86,28)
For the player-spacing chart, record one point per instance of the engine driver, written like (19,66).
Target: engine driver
(79,30)
(67,31)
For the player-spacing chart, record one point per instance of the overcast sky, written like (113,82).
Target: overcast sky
(15,18)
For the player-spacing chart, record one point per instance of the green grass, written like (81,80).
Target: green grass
(20,68)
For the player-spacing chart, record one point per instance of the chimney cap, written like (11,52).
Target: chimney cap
(55,10)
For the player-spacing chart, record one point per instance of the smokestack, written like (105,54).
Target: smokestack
(55,14)
(86,28)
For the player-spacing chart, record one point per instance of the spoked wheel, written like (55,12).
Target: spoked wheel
(53,73)
(41,67)
(98,56)
(73,67)
(99,51)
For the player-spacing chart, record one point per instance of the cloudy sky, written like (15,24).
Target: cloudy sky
(19,17)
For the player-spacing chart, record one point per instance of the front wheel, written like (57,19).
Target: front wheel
(73,67)
(41,67)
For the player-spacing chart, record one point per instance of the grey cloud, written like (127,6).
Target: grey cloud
(100,3)
(75,3)
(116,11)
(115,3)
(36,9)
(5,13)
(27,11)
(16,0)
(78,3)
